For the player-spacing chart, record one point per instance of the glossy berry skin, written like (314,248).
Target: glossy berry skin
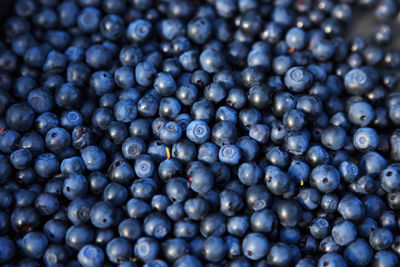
(296,38)
(46,165)
(385,257)
(46,203)
(365,139)
(298,79)
(325,177)
(170,132)
(214,249)
(279,254)
(98,56)
(145,73)
(354,202)
(381,239)
(88,19)
(361,114)
(211,61)
(156,225)
(115,193)
(34,244)
(164,84)
(21,159)
(40,100)
(260,133)
(255,246)
(331,259)
(91,255)
(144,166)
(102,214)
(201,180)
(75,186)
(358,253)
(118,250)
(138,30)
(249,173)
(198,133)
(78,235)
(146,249)
(229,154)
(344,233)
(102,82)
(333,137)
(19,117)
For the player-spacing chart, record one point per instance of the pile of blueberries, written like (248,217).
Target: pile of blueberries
(192,133)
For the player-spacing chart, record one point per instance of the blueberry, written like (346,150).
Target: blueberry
(19,117)
(145,73)
(385,257)
(325,178)
(57,139)
(279,255)
(344,233)
(211,60)
(117,132)
(372,163)
(144,166)
(139,30)
(143,188)
(118,250)
(146,249)
(208,152)
(170,132)
(175,248)
(349,171)
(255,246)
(98,56)
(229,154)
(238,225)
(169,108)
(298,79)
(67,96)
(196,208)
(310,105)
(188,260)
(230,202)
(201,180)
(75,186)
(214,249)
(156,225)
(184,150)
(334,137)
(91,255)
(365,139)
(55,62)
(351,208)
(331,259)
(361,114)
(46,165)
(34,244)
(199,30)
(88,19)
(295,143)
(296,38)
(47,204)
(249,173)
(381,238)
(79,235)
